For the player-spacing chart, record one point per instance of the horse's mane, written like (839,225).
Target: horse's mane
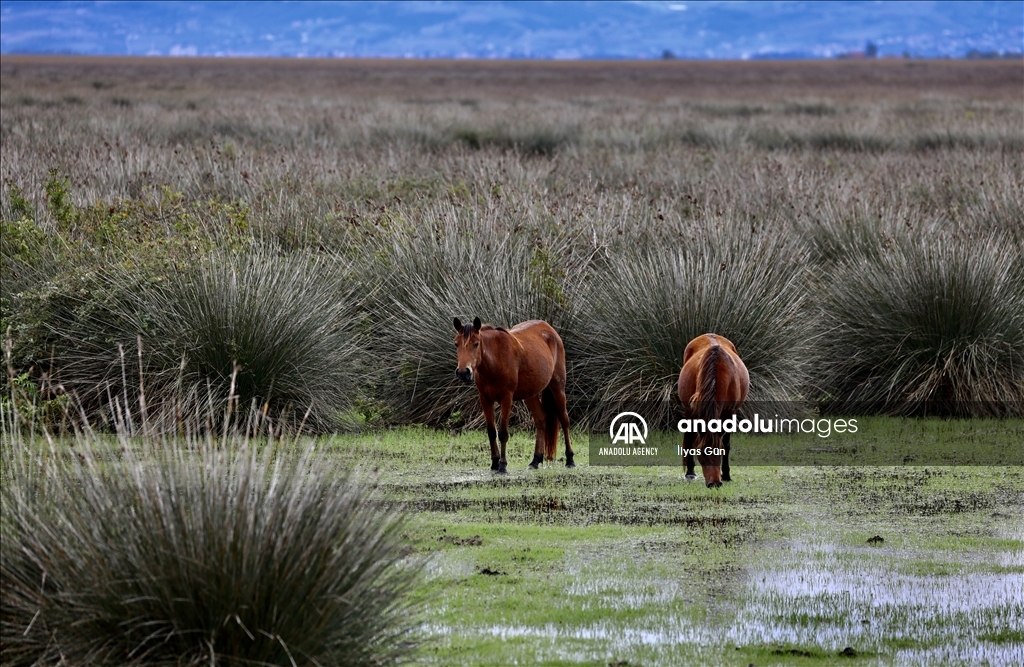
(467,329)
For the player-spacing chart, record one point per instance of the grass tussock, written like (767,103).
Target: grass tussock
(282,335)
(156,552)
(649,302)
(934,324)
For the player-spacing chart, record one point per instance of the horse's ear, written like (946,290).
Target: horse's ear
(458,325)
(476,324)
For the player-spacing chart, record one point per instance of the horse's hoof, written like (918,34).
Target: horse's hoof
(691,478)
(714,485)
(534,466)
(502,469)
(537,460)
(726,479)
(570,464)
(494,464)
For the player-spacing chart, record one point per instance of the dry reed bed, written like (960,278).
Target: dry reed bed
(445,200)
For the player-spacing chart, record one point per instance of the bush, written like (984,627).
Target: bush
(932,325)
(285,332)
(192,553)
(649,301)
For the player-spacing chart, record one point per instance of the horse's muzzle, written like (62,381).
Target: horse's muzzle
(464,374)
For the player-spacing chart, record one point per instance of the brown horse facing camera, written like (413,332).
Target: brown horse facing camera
(525,363)
(713,384)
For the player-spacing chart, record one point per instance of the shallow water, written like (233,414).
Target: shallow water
(806,593)
(820,594)
(601,566)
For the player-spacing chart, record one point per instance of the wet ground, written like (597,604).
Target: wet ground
(634,566)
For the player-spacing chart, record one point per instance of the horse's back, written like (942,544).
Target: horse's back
(706,341)
(533,326)
(733,379)
(537,330)
(542,356)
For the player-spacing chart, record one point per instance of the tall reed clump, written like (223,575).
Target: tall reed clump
(929,325)
(195,552)
(284,333)
(445,270)
(649,300)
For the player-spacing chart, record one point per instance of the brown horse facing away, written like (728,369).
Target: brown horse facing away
(713,384)
(525,363)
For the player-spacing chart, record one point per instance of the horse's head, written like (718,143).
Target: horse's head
(467,342)
(711,463)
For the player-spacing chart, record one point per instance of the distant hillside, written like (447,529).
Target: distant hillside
(502,29)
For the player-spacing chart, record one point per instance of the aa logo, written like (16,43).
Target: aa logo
(628,428)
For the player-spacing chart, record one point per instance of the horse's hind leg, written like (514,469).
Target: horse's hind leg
(492,433)
(558,391)
(537,410)
(506,415)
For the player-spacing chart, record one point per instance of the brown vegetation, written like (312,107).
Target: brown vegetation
(864,81)
(572,176)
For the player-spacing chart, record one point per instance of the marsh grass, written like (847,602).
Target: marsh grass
(934,324)
(280,335)
(647,303)
(526,142)
(292,325)
(515,207)
(212,551)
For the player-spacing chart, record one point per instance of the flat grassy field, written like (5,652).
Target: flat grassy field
(635,566)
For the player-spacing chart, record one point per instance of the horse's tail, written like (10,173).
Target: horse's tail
(551,412)
(704,402)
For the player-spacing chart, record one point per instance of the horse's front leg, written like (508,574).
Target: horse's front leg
(725,459)
(506,415)
(492,433)
(689,444)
